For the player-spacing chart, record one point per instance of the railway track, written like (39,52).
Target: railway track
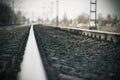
(67,54)
(76,55)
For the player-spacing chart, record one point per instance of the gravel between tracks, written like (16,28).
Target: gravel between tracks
(12,45)
(76,57)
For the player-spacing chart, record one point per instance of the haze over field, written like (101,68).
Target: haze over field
(72,8)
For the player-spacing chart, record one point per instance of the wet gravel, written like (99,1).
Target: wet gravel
(76,57)
(12,45)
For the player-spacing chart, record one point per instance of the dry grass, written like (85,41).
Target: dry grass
(110,29)
(85,27)
(104,28)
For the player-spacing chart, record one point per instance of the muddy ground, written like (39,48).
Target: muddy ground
(69,56)
(12,45)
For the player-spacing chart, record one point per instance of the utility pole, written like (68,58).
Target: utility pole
(93,15)
(57,12)
(52,9)
(13,19)
(51,12)
(32,17)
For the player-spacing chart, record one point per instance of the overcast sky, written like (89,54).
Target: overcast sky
(72,8)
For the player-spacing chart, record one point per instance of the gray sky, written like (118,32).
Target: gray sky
(72,8)
(109,7)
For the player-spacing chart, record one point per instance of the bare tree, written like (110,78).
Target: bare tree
(115,19)
(5,14)
(83,18)
(101,20)
(109,18)
(64,21)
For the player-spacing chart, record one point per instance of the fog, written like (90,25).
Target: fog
(72,8)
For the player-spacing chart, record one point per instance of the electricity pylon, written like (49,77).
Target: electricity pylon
(93,15)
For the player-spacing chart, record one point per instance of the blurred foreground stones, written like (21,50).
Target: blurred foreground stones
(12,45)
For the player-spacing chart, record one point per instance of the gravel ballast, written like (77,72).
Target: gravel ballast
(12,45)
(68,56)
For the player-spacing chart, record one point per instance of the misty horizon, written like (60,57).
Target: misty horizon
(47,9)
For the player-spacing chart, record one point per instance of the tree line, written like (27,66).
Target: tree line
(9,17)
(83,20)
(109,20)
